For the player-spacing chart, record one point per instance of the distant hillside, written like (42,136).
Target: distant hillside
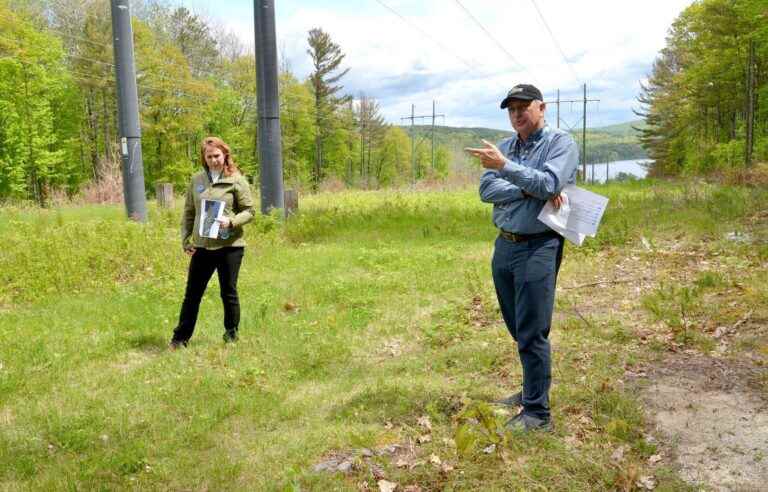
(610,143)
(622,129)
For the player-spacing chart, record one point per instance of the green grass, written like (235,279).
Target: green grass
(366,312)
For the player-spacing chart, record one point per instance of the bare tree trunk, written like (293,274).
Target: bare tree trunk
(105,124)
(92,135)
(33,181)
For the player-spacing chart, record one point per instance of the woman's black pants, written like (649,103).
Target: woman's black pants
(226,261)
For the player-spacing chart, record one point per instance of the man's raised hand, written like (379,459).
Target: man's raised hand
(490,156)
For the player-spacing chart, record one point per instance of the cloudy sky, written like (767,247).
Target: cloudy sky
(466,54)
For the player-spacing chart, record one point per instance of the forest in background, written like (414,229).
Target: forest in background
(702,95)
(604,144)
(58,120)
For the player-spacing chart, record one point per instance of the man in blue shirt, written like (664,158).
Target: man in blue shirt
(523,172)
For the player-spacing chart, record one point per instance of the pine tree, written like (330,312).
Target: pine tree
(326,58)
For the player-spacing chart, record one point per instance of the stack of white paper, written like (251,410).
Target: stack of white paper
(578,217)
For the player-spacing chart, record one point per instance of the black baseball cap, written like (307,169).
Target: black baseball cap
(523,92)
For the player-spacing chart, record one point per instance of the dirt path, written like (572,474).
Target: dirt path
(709,412)
(711,421)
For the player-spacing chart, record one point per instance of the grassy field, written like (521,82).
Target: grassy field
(370,344)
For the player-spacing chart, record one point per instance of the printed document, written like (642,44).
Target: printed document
(578,217)
(210,211)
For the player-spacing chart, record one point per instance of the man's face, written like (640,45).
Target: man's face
(526,116)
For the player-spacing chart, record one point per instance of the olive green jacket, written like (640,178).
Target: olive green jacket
(234,191)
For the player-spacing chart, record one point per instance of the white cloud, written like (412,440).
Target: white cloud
(611,44)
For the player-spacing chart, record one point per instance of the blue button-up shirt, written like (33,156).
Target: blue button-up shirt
(541,166)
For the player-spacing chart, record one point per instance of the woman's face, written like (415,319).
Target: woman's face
(214,157)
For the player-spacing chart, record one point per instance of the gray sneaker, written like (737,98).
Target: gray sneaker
(515,400)
(524,422)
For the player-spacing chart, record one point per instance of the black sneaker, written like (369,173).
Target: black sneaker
(525,423)
(230,336)
(177,344)
(515,400)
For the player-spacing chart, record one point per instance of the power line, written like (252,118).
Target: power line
(60,33)
(112,65)
(189,83)
(102,45)
(85,77)
(554,40)
(426,35)
(501,47)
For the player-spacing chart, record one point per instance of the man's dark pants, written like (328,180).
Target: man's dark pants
(226,261)
(525,274)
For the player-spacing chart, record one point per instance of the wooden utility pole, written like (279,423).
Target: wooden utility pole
(750,103)
(363,173)
(584,137)
(584,100)
(413,135)
(433,135)
(413,146)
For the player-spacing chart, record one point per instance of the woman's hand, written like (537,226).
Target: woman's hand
(225,222)
(189,251)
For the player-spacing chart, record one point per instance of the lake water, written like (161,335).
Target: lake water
(634,167)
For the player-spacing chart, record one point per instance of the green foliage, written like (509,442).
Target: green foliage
(34,86)
(696,95)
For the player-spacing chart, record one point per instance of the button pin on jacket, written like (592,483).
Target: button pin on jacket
(200,188)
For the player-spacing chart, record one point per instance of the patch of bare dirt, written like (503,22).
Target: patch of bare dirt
(711,420)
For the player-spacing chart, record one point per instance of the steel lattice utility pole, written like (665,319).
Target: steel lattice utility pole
(270,148)
(128,111)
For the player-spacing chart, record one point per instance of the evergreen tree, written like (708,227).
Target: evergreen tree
(695,101)
(326,59)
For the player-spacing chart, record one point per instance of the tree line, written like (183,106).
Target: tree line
(58,110)
(706,100)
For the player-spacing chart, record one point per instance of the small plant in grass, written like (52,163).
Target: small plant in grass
(677,307)
(477,428)
(709,279)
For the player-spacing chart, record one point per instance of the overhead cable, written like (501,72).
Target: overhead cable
(554,40)
(426,35)
(490,36)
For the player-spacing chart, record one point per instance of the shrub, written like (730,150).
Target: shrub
(108,188)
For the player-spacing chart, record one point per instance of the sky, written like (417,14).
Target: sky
(466,54)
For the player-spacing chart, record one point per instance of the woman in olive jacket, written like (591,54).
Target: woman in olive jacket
(219,180)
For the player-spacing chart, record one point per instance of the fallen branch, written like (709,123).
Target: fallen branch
(576,311)
(601,282)
(741,321)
